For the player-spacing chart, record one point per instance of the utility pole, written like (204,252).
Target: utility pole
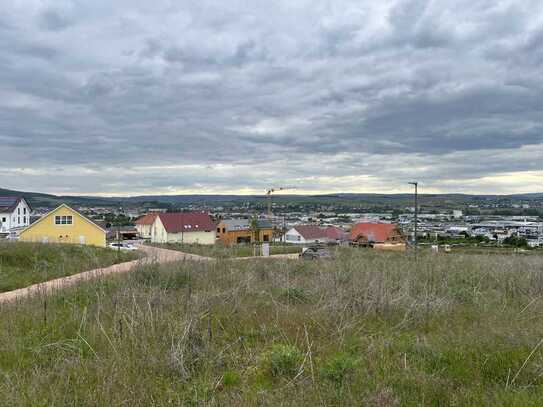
(119,229)
(182,229)
(416,184)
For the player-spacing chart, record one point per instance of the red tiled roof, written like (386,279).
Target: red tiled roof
(311,231)
(175,222)
(146,219)
(374,232)
(335,233)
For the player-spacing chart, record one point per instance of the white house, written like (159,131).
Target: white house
(14,214)
(304,234)
(183,227)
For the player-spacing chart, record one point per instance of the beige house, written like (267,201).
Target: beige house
(144,224)
(183,227)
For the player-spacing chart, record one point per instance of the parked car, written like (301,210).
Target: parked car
(122,246)
(315,252)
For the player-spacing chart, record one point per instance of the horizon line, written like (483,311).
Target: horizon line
(108,196)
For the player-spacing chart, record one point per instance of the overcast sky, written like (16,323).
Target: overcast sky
(136,97)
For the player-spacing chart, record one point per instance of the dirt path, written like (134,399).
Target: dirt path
(272,256)
(152,255)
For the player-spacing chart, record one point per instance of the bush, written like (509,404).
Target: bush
(285,360)
(339,368)
(515,241)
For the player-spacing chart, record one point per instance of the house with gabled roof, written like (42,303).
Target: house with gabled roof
(64,225)
(144,224)
(238,231)
(306,234)
(378,235)
(183,227)
(14,214)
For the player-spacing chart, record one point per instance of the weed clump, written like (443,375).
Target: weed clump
(338,369)
(295,295)
(284,360)
(230,379)
(153,276)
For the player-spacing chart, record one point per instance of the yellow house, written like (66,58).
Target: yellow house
(64,225)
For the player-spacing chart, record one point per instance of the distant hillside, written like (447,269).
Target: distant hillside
(40,199)
(393,200)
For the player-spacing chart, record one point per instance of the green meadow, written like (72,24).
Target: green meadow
(367,328)
(221,251)
(23,264)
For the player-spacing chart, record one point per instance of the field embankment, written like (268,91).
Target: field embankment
(23,264)
(368,328)
(220,251)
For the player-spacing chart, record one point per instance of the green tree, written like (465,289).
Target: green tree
(515,241)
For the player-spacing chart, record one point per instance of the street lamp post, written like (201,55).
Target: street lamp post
(416,184)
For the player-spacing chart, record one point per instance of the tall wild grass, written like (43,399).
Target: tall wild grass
(23,264)
(368,328)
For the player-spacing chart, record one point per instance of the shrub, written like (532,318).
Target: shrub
(339,368)
(284,360)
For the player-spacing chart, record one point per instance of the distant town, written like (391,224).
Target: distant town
(466,220)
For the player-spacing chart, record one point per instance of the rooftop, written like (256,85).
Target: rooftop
(175,222)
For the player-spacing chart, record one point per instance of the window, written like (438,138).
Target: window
(223,230)
(4,219)
(24,211)
(218,230)
(24,219)
(18,219)
(18,211)
(63,220)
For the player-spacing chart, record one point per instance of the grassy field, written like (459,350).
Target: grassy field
(368,328)
(222,251)
(23,264)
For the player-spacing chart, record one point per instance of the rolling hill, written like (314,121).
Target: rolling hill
(393,200)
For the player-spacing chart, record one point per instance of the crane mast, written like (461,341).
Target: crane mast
(269,193)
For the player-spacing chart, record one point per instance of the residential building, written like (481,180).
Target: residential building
(65,225)
(144,224)
(14,214)
(335,234)
(183,227)
(236,231)
(306,234)
(377,235)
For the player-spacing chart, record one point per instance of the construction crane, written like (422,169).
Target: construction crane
(269,193)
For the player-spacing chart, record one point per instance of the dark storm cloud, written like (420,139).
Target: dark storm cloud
(136,97)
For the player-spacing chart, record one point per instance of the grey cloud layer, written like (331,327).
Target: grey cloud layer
(317,93)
